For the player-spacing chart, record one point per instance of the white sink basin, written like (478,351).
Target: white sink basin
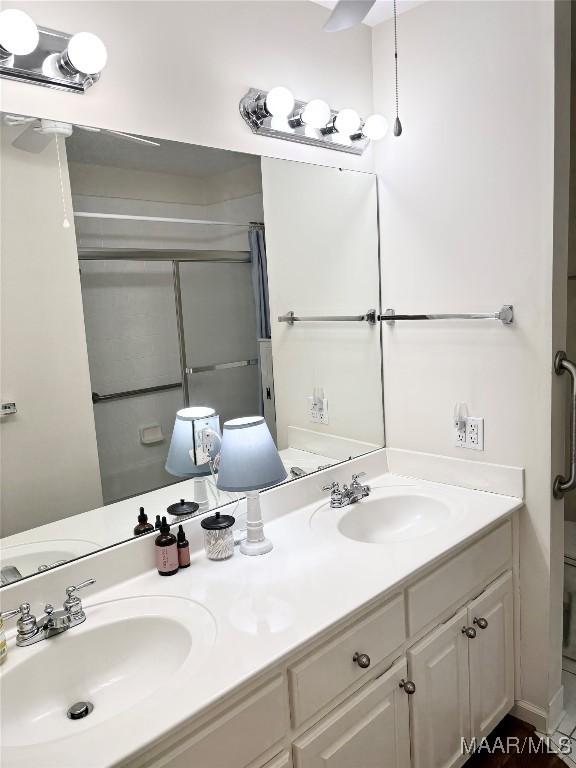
(387,516)
(394,518)
(27,557)
(125,651)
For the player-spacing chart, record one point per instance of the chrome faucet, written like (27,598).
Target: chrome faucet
(342,497)
(32,630)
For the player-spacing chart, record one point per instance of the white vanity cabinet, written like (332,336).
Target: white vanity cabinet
(341,701)
(464,677)
(370,730)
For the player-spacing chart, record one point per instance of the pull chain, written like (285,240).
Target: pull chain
(397,123)
(65,221)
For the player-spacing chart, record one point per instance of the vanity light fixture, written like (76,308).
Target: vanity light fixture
(315,114)
(308,122)
(19,34)
(375,128)
(43,56)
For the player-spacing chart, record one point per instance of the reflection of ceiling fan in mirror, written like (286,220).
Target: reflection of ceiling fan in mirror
(38,132)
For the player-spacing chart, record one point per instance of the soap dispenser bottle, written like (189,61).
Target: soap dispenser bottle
(166,551)
(143,525)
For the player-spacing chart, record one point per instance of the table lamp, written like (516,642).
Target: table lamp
(191,447)
(249,461)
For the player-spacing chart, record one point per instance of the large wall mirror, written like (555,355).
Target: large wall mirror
(141,277)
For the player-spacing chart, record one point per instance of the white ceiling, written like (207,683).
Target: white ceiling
(170,157)
(382,10)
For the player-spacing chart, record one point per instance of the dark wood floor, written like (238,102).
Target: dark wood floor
(511,727)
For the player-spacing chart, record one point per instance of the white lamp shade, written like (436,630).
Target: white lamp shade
(186,427)
(249,459)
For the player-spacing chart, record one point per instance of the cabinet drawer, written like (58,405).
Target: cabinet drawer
(370,729)
(238,737)
(319,678)
(456,579)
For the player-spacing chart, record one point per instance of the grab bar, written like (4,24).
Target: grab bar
(291,318)
(561,483)
(505,314)
(222,366)
(96,398)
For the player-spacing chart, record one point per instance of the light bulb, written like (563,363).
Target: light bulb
(87,53)
(347,122)
(279,101)
(18,32)
(375,127)
(316,113)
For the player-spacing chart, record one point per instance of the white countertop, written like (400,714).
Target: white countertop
(263,609)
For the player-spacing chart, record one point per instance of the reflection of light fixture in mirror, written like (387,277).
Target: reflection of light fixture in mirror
(249,461)
(195,442)
(375,128)
(315,114)
(18,33)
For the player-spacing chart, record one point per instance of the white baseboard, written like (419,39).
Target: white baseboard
(537,716)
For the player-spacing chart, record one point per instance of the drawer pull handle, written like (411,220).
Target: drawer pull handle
(481,623)
(470,632)
(362,659)
(408,686)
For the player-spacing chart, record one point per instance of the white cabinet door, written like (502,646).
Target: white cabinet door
(370,730)
(491,656)
(440,707)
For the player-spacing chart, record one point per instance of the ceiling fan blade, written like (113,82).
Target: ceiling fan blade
(130,137)
(31,140)
(12,120)
(348,13)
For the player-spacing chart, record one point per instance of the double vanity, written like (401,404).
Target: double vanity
(379,632)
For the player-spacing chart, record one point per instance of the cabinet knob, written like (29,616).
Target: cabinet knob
(408,686)
(481,623)
(470,632)
(362,659)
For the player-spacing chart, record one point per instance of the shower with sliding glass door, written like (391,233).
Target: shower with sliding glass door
(162,334)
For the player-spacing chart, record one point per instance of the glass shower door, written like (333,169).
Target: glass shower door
(219,331)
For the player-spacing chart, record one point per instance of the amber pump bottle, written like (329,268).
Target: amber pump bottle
(166,551)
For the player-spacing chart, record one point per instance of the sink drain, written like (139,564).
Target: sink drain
(79,710)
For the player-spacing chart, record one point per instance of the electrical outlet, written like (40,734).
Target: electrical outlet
(318,409)
(475,433)
(469,432)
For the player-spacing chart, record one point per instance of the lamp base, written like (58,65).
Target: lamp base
(255,547)
(255,542)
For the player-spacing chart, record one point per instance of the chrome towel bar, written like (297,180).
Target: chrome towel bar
(505,314)
(563,484)
(370,317)
(222,366)
(96,398)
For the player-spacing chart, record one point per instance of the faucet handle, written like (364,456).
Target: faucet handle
(22,610)
(334,486)
(70,590)
(73,604)
(26,624)
(357,477)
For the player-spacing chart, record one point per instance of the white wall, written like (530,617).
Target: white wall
(177,70)
(49,459)
(322,250)
(467,225)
